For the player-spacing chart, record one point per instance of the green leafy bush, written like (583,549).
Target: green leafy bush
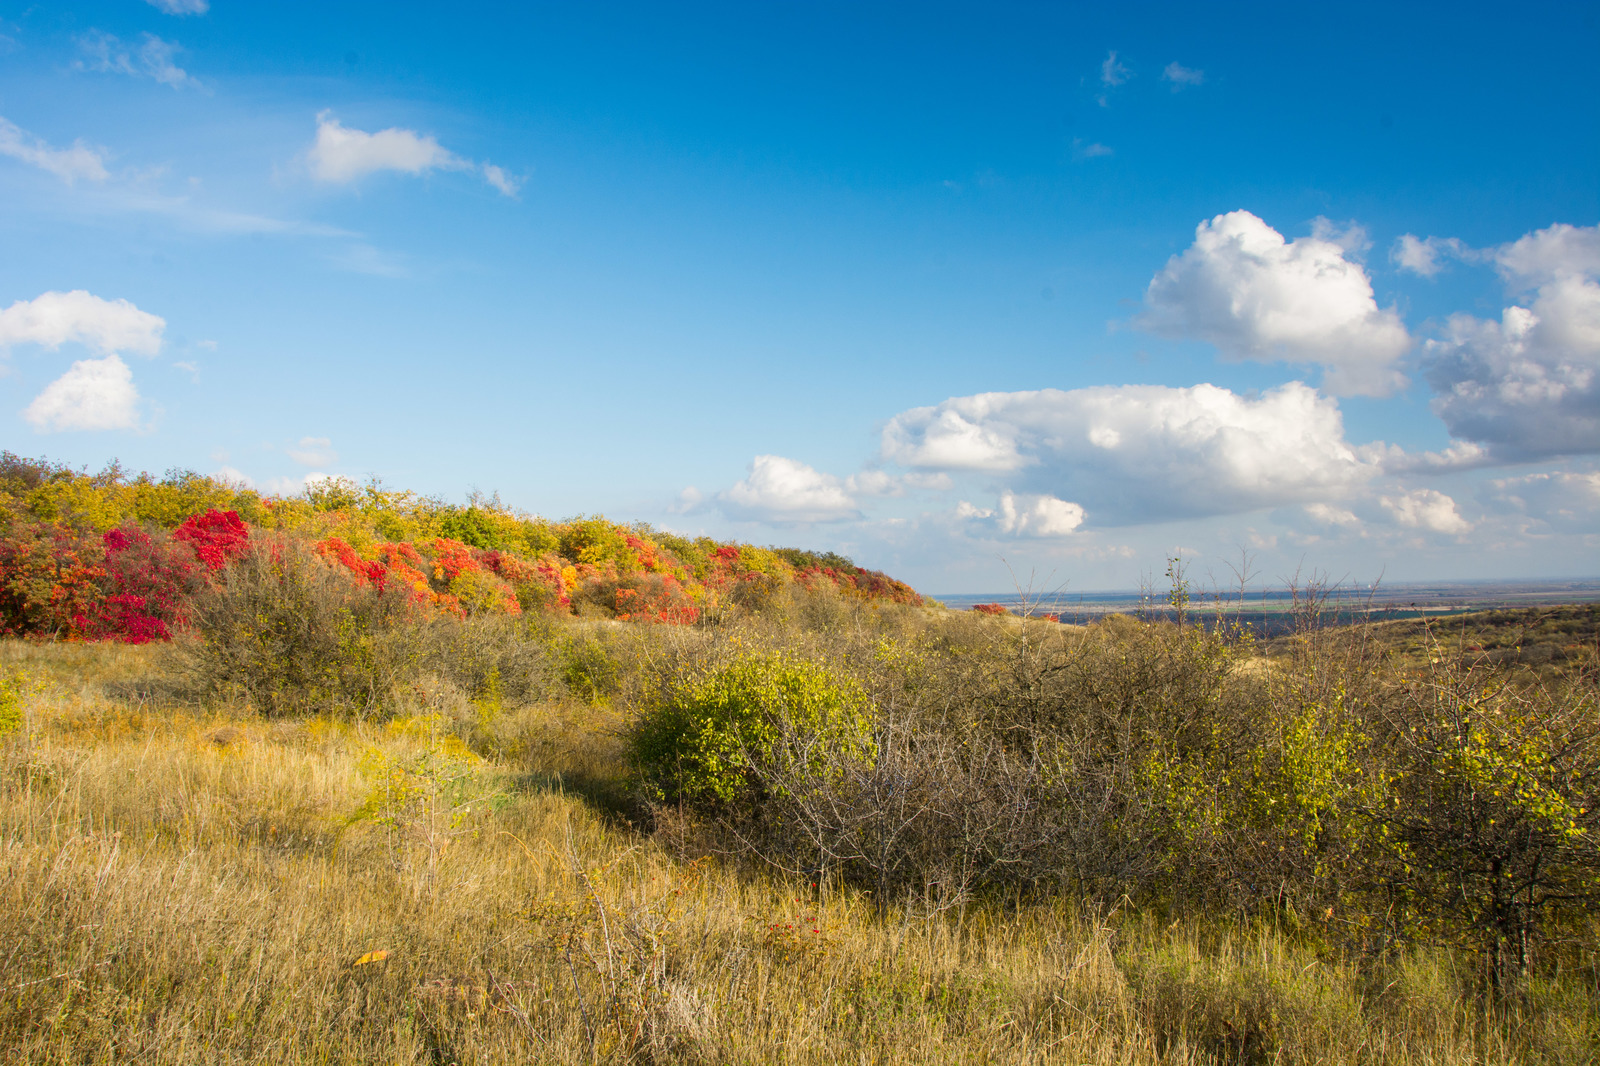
(707,739)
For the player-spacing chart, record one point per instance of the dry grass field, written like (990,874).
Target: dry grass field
(192,883)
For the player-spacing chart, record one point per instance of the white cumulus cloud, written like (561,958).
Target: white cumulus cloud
(150,58)
(1426,509)
(56,318)
(93,394)
(1548,255)
(1329,515)
(341,155)
(785,490)
(1528,385)
(68,164)
(1256,296)
(1037,516)
(1137,453)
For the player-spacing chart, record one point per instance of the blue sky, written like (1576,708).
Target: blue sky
(952,288)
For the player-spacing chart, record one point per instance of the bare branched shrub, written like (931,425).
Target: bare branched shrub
(289,634)
(931,818)
(494,657)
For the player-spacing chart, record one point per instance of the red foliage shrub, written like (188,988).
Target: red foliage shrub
(218,537)
(125,617)
(508,567)
(335,550)
(990,608)
(647,554)
(554,577)
(451,559)
(872,584)
(657,598)
(149,577)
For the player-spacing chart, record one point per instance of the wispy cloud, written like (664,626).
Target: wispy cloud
(314,451)
(181,7)
(1180,76)
(117,197)
(150,58)
(1428,257)
(365,259)
(1567,500)
(341,155)
(1113,73)
(139,193)
(502,179)
(68,164)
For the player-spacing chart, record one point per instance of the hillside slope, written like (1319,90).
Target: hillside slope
(115,555)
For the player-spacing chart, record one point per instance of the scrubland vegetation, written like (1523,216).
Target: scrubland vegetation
(345,814)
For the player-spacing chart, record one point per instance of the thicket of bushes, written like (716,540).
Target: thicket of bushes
(114,556)
(1365,804)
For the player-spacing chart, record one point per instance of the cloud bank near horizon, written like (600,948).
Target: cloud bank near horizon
(1065,465)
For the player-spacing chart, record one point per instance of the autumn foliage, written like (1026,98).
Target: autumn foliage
(116,557)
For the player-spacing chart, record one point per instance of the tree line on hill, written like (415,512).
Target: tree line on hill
(121,556)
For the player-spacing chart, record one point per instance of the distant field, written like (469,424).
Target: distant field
(1268,610)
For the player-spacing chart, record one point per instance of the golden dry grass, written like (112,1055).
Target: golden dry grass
(182,886)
